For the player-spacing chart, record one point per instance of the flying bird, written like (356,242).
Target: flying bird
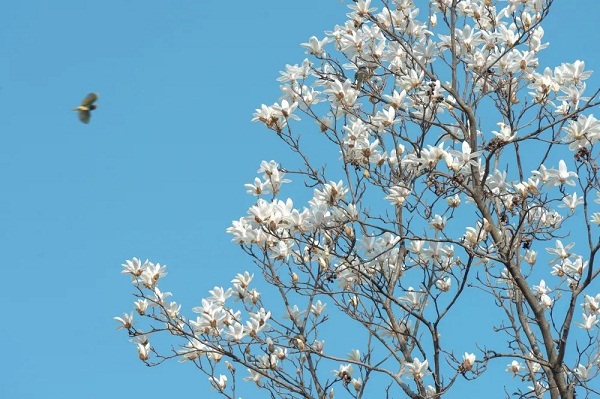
(86,107)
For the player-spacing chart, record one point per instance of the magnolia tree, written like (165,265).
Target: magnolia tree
(458,168)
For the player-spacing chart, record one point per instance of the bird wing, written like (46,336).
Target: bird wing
(89,100)
(84,116)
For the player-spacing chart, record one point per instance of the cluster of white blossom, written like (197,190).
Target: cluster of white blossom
(273,224)
(498,50)
(216,322)
(430,192)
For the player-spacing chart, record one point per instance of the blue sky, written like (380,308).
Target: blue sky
(157,174)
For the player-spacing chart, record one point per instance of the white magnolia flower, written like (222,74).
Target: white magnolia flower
(541,289)
(561,251)
(444,284)
(315,46)
(254,376)
(468,361)
(344,372)
(416,369)
(438,222)
(514,367)
(583,372)
(236,332)
(571,201)
(589,321)
(354,355)
(561,176)
(398,195)
(218,383)
(591,304)
(125,322)
(530,257)
(317,308)
(143,351)
(505,134)
(141,305)
(454,201)
(133,267)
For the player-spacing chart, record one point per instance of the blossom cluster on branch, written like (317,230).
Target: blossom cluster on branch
(459,163)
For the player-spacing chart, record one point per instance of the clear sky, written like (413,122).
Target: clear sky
(158,173)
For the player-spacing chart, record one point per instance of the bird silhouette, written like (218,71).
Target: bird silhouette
(86,107)
(363,74)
